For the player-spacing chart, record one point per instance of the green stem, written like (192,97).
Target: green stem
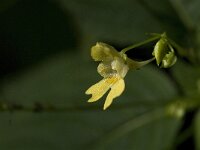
(181,51)
(183,104)
(43,107)
(140,44)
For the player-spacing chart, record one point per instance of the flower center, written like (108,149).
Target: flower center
(119,65)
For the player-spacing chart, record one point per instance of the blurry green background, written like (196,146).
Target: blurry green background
(45,62)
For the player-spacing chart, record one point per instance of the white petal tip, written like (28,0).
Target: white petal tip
(93,99)
(90,101)
(104,108)
(87,93)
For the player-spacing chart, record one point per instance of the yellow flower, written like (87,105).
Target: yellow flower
(113,69)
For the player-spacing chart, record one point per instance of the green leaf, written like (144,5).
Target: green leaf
(187,76)
(188,10)
(62,81)
(123,22)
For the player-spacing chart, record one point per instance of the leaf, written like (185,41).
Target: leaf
(123,22)
(188,10)
(187,76)
(62,81)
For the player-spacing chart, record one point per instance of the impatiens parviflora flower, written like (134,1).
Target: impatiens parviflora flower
(113,68)
(164,54)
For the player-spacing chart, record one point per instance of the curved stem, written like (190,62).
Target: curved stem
(181,51)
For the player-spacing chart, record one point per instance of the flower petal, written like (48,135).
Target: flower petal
(105,70)
(116,90)
(103,52)
(99,89)
(169,60)
(119,65)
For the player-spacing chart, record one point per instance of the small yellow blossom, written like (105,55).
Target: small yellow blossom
(113,69)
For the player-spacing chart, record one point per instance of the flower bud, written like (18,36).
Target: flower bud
(164,54)
(169,60)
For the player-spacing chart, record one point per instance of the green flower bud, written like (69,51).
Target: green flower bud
(164,54)
(169,60)
(160,50)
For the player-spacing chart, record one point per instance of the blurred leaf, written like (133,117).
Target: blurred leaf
(197,130)
(187,76)
(189,9)
(62,82)
(123,22)
(188,12)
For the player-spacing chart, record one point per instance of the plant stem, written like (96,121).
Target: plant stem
(181,51)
